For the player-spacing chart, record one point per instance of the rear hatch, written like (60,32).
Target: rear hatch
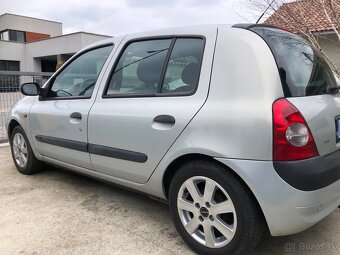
(308,83)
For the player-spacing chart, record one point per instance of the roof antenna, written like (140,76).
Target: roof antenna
(265,11)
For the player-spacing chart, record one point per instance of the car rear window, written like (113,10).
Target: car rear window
(302,69)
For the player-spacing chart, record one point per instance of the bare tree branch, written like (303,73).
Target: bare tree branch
(322,2)
(295,19)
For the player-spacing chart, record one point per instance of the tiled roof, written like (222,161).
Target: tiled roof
(306,15)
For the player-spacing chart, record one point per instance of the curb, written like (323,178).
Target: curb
(4,145)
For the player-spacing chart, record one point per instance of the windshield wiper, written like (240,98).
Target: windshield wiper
(333,90)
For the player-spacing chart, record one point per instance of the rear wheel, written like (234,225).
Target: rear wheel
(213,211)
(23,156)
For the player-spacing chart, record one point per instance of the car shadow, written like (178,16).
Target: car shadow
(319,239)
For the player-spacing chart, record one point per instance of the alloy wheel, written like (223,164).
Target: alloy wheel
(207,212)
(20,150)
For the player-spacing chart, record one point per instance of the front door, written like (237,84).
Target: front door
(58,122)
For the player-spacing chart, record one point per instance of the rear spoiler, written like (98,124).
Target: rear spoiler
(250,25)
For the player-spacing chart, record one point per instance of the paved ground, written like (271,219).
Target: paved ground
(56,212)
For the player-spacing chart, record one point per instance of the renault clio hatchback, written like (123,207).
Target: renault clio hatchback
(238,128)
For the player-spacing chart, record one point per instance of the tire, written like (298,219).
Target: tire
(22,154)
(234,228)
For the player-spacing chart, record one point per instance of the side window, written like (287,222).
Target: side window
(139,68)
(182,73)
(80,76)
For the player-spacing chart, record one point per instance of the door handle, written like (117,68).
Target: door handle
(165,119)
(76,115)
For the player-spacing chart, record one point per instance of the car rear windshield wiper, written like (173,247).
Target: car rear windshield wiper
(333,90)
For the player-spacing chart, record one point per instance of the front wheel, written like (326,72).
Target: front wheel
(213,211)
(23,156)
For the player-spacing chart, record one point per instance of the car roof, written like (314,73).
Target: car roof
(173,31)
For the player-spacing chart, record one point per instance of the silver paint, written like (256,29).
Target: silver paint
(229,119)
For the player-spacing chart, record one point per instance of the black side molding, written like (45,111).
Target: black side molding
(117,153)
(310,174)
(69,144)
(94,149)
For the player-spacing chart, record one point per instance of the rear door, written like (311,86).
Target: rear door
(154,89)
(309,84)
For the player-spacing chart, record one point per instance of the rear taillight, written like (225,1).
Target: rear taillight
(292,139)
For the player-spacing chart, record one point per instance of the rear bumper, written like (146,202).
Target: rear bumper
(287,209)
(310,174)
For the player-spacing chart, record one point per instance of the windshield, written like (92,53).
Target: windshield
(302,70)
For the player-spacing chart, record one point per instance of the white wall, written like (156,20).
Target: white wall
(330,48)
(13,51)
(66,44)
(26,53)
(22,23)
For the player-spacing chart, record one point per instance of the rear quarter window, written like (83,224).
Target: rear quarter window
(302,69)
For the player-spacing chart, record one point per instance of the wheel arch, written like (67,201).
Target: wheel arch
(12,124)
(16,122)
(175,165)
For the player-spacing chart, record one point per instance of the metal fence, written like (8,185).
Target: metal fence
(10,82)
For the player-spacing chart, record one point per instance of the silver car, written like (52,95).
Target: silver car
(238,128)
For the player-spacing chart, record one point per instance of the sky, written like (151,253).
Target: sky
(116,17)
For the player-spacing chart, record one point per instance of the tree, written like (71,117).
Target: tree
(294,18)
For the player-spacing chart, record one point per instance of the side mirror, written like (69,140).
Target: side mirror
(30,89)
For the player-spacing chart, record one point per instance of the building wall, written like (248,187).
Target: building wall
(30,54)
(13,51)
(330,48)
(66,44)
(44,42)
(22,23)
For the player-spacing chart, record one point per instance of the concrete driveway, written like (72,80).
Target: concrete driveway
(57,212)
(7,100)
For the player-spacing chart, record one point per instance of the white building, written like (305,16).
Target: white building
(35,45)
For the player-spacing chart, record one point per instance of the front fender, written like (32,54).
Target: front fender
(20,113)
